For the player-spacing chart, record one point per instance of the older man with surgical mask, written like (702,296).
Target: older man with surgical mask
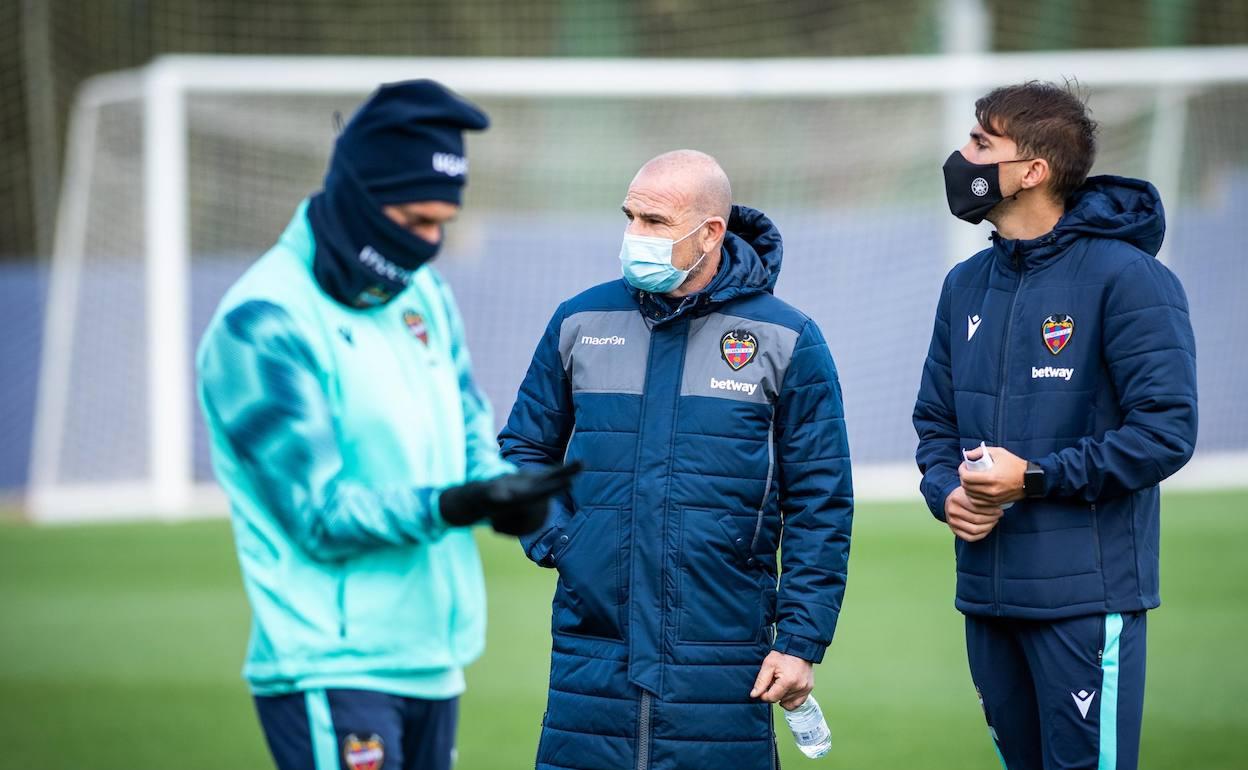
(707,415)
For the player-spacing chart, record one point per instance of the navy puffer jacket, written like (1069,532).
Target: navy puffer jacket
(1074,351)
(709,428)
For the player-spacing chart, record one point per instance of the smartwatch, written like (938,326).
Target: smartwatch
(1033,480)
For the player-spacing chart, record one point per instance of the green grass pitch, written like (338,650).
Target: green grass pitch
(120,647)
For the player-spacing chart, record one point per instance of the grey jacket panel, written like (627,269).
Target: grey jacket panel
(736,358)
(605,351)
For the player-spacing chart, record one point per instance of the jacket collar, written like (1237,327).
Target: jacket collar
(1110,207)
(1028,254)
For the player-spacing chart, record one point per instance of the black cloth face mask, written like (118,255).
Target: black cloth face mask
(363,259)
(972,189)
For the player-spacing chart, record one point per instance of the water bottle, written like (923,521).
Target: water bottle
(810,729)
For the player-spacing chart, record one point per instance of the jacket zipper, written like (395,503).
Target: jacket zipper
(1005,378)
(671,459)
(643,733)
(637,457)
(643,716)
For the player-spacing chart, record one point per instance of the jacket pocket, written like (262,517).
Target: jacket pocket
(587,557)
(1044,539)
(721,593)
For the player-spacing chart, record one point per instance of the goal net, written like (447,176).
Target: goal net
(180,174)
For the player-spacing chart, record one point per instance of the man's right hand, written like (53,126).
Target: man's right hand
(969,519)
(515,503)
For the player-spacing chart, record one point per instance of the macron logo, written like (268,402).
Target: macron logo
(972,326)
(1051,373)
(614,340)
(745,387)
(451,165)
(1083,700)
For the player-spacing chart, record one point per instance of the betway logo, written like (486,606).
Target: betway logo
(614,340)
(1051,373)
(745,387)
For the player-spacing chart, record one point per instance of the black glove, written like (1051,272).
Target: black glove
(516,504)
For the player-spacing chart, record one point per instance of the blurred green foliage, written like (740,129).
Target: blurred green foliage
(48,47)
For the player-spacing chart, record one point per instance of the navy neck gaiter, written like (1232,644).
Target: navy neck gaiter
(362,259)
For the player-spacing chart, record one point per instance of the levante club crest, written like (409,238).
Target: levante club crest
(416,325)
(1056,331)
(363,753)
(738,348)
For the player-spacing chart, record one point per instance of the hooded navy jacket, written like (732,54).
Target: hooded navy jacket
(709,428)
(1075,351)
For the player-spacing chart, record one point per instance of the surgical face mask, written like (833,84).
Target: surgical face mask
(646,262)
(972,189)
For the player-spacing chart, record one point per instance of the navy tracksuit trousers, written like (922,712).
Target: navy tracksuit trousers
(1061,695)
(358,730)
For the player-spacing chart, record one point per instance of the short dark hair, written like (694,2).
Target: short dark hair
(1045,120)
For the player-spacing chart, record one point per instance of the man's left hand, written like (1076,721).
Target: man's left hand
(1000,484)
(784,679)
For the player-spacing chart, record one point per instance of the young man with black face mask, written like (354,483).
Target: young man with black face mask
(1066,348)
(357,452)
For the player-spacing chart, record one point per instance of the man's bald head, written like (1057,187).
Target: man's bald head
(692,178)
(682,196)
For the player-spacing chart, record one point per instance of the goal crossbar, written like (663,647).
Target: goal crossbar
(163,87)
(707,77)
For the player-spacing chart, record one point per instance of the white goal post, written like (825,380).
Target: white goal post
(166,484)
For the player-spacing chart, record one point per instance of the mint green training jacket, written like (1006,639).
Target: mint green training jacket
(333,431)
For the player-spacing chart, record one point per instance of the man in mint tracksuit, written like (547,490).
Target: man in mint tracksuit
(356,452)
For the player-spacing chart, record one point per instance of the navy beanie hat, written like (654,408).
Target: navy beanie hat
(406,143)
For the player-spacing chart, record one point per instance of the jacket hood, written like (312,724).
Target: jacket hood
(1114,207)
(749,264)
